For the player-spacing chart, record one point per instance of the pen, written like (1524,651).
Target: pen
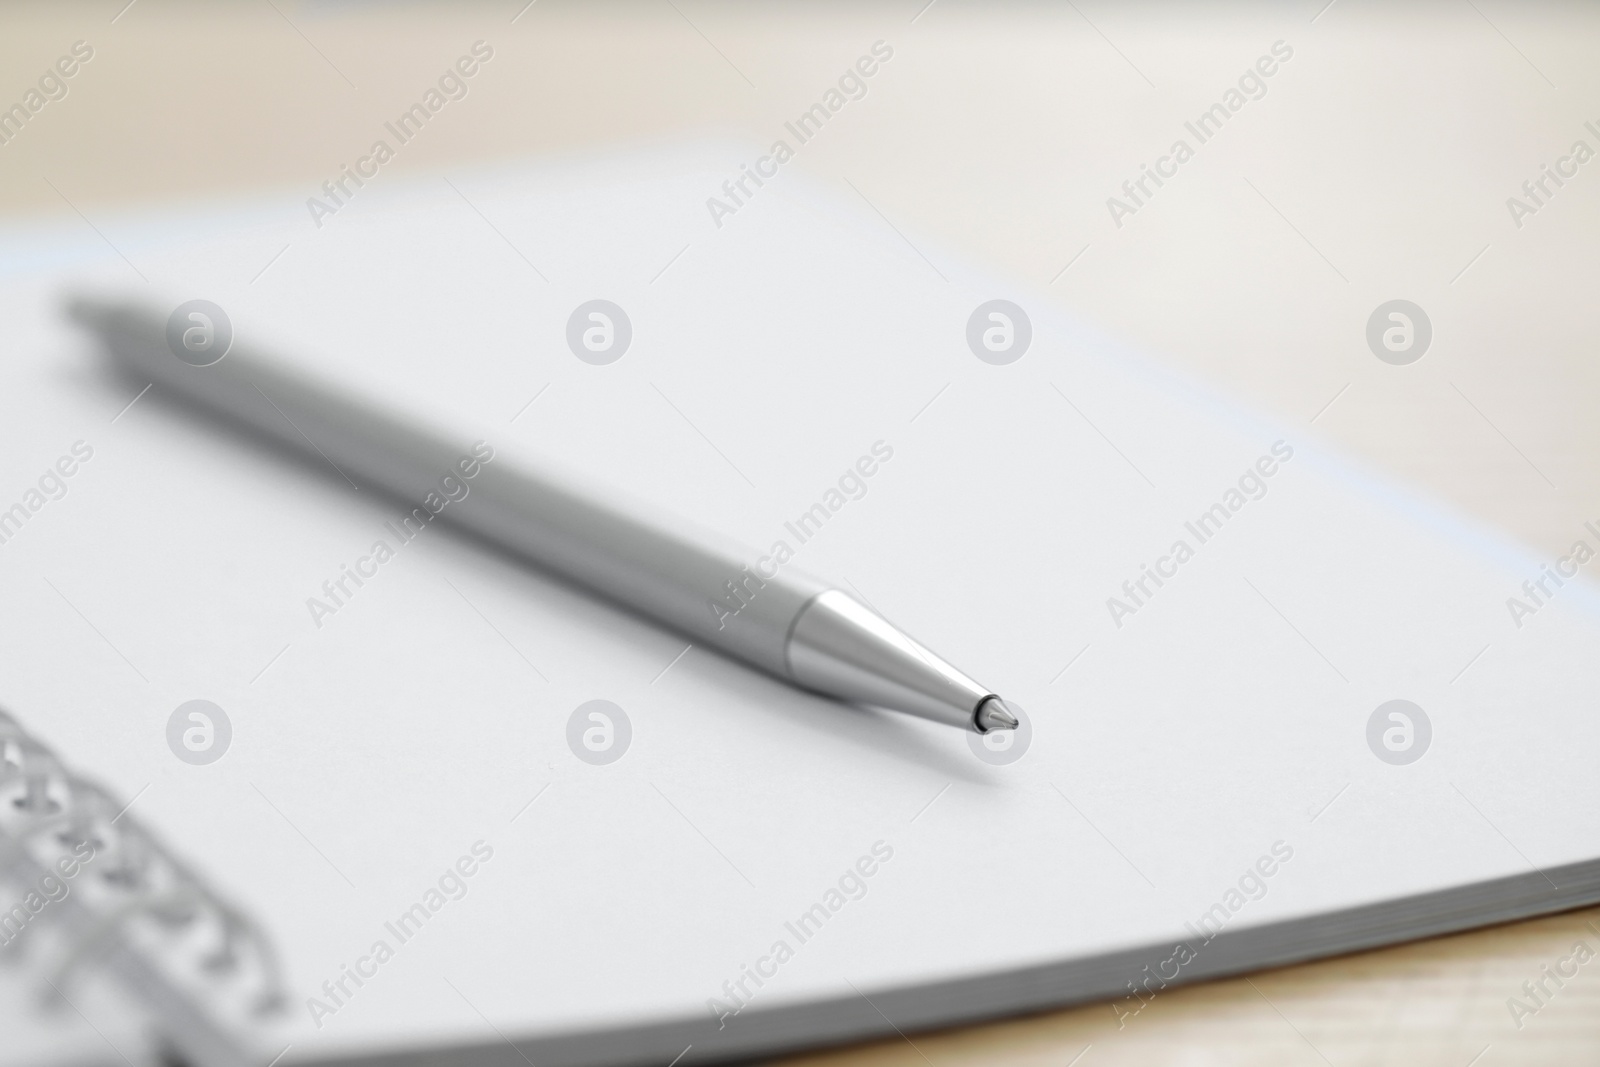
(789,624)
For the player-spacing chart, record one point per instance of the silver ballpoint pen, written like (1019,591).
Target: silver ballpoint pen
(792,625)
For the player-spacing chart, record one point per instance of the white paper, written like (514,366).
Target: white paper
(1225,716)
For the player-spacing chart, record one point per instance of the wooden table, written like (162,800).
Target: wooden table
(1378,164)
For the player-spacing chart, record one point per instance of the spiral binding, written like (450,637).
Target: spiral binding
(46,809)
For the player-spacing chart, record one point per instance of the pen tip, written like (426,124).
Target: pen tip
(994,715)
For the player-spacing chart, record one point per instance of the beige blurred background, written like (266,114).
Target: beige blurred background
(1377,166)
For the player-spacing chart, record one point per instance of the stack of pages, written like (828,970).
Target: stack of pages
(1276,709)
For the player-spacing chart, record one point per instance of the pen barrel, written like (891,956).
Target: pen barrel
(694,581)
(705,586)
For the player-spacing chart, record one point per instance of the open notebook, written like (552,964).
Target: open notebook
(1215,778)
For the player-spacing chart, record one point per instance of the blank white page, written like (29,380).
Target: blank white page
(1221,724)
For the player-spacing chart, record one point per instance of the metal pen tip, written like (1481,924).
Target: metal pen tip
(994,715)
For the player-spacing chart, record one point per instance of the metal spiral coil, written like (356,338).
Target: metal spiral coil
(47,805)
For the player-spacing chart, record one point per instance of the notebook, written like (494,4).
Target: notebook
(1277,708)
